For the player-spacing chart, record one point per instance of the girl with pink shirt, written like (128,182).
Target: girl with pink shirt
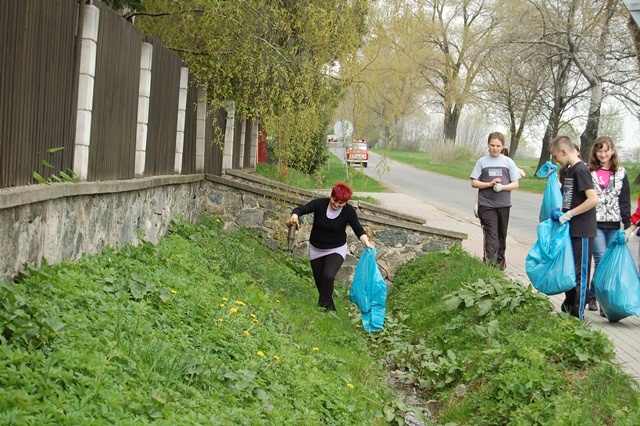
(611,183)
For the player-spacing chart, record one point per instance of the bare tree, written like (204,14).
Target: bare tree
(458,37)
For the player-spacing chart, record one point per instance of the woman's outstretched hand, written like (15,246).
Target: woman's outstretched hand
(365,240)
(293,219)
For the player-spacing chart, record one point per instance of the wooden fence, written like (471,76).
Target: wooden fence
(75,95)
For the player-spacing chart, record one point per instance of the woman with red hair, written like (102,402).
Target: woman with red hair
(328,239)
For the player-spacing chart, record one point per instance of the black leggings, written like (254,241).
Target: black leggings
(324,273)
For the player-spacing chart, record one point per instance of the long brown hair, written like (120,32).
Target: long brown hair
(594,163)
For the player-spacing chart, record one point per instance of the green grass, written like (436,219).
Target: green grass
(327,176)
(205,328)
(212,327)
(462,170)
(452,321)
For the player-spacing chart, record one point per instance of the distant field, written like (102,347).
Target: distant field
(462,170)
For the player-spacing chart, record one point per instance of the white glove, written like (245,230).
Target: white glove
(565,217)
(629,232)
(497,187)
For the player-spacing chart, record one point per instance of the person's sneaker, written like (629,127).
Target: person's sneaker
(602,314)
(593,306)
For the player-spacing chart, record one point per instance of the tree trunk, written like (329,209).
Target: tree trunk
(588,137)
(635,33)
(451,119)
(549,134)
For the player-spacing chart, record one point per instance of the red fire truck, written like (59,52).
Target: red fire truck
(358,153)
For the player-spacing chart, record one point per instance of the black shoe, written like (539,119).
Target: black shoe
(602,314)
(593,306)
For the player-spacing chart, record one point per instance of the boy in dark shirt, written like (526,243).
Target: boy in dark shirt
(579,200)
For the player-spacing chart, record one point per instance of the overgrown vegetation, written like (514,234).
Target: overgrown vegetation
(212,327)
(487,351)
(205,328)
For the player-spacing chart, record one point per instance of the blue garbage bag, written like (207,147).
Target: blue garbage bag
(616,281)
(552,197)
(369,291)
(549,264)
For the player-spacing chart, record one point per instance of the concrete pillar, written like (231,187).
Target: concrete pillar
(86,82)
(182,113)
(144,95)
(201,123)
(227,153)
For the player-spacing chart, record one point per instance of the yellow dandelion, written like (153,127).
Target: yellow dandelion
(220,320)
(277,358)
(224,299)
(260,353)
(222,305)
(240,303)
(315,349)
(349,385)
(255,321)
(252,315)
(277,300)
(234,309)
(218,220)
(173,292)
(246,333)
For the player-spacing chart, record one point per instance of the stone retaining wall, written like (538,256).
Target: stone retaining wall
(65,221)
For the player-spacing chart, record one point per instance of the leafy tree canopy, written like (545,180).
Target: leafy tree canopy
(278,61)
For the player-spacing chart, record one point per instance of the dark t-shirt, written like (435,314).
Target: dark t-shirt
(576,181)
(330,233)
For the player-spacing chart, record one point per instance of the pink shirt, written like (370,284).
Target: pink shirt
(603,177)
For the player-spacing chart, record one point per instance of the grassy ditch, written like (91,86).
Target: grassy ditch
(214,328)
(488,351)
(205,328)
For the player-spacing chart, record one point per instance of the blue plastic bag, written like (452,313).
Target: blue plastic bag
(552,197)
(369,291)
(549,264)
(616,281)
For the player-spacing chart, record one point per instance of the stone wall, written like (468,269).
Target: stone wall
(65,221)
(251,201)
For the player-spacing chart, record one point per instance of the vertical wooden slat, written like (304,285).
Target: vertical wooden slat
(115,98)
(38,45)
(189,148)
(214,141)
(163,110)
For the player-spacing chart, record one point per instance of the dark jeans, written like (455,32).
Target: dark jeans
(324,273)
(495,222)
(576,298)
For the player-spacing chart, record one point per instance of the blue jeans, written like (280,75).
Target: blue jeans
(600,243)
